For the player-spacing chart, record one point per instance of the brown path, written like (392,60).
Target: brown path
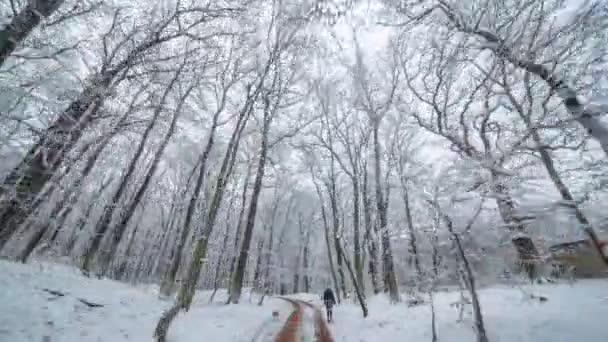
(321,330)
(289,332)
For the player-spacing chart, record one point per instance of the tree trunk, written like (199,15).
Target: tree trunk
(526,250)
(296,276)
(269,259)
(29,178)
(336,235)
(480,330)
(360,294)
(70,198)
(356,231)
(220,259)
(370,232)
(169,279)
(239,228)
(305,263)
(390,281)
(23,24)
(122,268)
(411,230)
(82,221)
(57,215)
(565,192)
(328,242)
(237,281)
(298,264)
(58,178)
(170,232)
(257,273)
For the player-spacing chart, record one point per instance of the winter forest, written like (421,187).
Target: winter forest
(436,163)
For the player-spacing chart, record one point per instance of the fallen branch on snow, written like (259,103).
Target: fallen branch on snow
(82,300)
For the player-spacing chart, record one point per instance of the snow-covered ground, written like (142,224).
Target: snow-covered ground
(29,313)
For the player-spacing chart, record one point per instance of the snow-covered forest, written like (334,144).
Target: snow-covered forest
(399,152)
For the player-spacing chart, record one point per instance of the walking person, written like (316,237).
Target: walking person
(329,301)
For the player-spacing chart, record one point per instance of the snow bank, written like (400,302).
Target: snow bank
(129,313)
(571,313)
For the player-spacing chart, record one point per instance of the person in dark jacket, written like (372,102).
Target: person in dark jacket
(329,300)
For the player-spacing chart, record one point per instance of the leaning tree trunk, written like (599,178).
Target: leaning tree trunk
(42,160)
(40,229)
(237,281)
(526,250)
(29,178)
(359,293)
(66,205)
(58,178)
(169,279)
(588,118)
(23,24)
(390,281)
(188,286)
(328,240)
(547,160)
(103,224)
(68,202)
(480,330)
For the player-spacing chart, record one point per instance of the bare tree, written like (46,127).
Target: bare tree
(434,85)
(532,39)
(124,56)
(376,107)
(480,330)
(104,222)
(525,108)
(403,157)
(275,98)
(227,78)
(188,286)
(124,217)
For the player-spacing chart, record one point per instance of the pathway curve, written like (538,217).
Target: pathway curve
(294,326)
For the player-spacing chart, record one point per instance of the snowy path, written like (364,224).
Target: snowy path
(306,323)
